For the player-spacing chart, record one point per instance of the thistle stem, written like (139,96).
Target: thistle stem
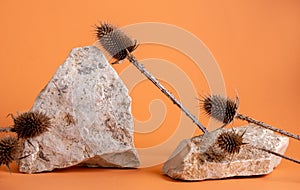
(141,68)
(264,125)
(5,129)
(276,154)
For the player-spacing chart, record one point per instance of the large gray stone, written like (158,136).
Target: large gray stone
(192,159)
(91,117)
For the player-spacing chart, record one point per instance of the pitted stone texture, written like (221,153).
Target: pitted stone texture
(91,117)
(191,160)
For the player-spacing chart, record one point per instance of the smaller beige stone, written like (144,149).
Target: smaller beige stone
(192,160)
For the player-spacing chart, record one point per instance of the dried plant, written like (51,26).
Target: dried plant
(120,46)
(220,108)
(115,41)
(9,150)
(225,110)
(29,124)
(231,143)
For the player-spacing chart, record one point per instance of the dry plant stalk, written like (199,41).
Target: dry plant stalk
(26,125)
(231,142)
(120,47)
(29,124)
(225,110)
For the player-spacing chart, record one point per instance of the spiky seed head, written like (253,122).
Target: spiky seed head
(31,124)
(220,108)
(115,41)
(9,150)
(230,142)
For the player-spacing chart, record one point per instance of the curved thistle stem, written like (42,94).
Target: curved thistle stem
(5,129)
(275,153)
(142,69)
(264,125)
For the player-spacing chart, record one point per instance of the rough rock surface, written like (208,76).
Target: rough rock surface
(190,160)
(91,117)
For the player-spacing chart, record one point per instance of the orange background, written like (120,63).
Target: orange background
(255,42)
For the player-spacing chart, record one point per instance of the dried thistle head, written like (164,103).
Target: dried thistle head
(220,108)
(31,124)
(9,150)
(115,41)
(230,142)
